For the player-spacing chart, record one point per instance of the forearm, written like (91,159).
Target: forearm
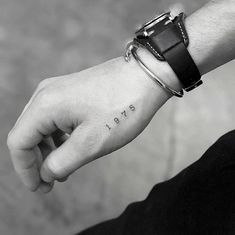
(211,30)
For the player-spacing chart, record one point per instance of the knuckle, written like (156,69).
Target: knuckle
(45,98)
(41,85)
(44,83)
(11,143)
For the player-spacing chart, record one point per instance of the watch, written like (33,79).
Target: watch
(166,38)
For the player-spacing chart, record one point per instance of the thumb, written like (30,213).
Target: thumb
(81,147)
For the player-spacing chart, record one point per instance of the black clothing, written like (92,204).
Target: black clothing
(199,200)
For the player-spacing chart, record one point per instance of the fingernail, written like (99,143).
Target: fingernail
(46,174)
(63,179)
(45,187)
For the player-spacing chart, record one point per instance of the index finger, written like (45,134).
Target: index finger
(22,143)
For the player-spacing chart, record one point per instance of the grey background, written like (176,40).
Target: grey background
(44,38)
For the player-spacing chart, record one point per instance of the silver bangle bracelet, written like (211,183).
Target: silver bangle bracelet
(131,49)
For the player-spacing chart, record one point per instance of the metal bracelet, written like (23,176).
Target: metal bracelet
(131,49)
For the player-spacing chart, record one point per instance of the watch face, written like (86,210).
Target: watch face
(161,20)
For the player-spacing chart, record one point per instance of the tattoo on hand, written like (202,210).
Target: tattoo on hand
(116,120)
(132,107)
(124,114)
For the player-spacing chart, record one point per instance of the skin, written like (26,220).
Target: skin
(85,119)
(74,119)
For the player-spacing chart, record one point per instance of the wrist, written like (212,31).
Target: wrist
(161,69)
(157,94)
(152,69)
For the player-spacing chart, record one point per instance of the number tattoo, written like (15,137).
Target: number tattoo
(124,114)
(116,120)
(132,107)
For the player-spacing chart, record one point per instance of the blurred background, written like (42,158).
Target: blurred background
(45,38)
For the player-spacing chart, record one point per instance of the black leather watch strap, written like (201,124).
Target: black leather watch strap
(170,43)
(183,65)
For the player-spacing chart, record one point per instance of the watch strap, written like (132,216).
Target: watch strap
(184,67)
(170,44)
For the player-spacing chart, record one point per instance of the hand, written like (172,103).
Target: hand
(74,119)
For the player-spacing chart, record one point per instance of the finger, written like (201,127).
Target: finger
(63,179)
(26,166)
(39,87)
(46,146)
(82,147)
(39,160)
(22,142)
(46,187)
